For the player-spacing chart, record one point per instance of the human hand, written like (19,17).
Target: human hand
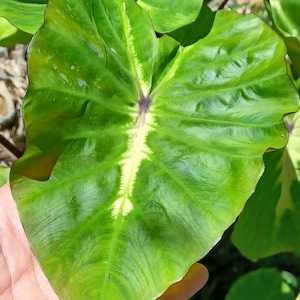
(191,283)
(21,277)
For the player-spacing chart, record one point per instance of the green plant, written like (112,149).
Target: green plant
(152,139)
(19,20)
(278,288)
(10,35)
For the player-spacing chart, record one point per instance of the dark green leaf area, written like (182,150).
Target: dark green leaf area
(148,150)
(167,50)
(261,284)
(33,1)
(191,33)
(270,222)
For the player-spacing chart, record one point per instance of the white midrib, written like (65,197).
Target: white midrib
(138,68)
(130,164)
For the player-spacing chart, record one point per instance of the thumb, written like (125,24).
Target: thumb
(191,283)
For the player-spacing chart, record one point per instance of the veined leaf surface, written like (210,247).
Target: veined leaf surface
(168,15)
(139,155)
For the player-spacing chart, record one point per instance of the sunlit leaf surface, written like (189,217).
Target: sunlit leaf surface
(168,15)
(140,152)
(25,15)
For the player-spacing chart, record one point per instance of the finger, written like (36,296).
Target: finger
(43,282)
(191,283)
(5,279)
(20,274)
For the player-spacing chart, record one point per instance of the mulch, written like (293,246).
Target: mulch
(13,86)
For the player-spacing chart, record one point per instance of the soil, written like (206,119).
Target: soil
(13,86)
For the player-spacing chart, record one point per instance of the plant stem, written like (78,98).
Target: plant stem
(9,146)
(222,5)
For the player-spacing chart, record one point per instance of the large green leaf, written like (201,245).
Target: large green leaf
(10,35)
(168,15)
(139,153)
(261,284)
(270,222)
(285,16)
(27,17)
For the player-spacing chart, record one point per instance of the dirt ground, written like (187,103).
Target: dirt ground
(13,86)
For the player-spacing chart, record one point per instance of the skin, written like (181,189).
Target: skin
(21,278)
(189,285)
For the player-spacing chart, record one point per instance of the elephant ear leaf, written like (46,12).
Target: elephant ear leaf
(134,170)
(168,15)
